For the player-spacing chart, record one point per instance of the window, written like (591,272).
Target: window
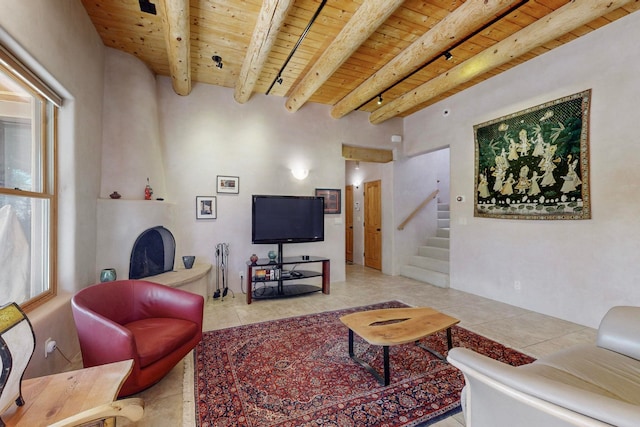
(27,185)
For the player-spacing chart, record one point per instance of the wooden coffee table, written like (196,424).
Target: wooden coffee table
(393,326)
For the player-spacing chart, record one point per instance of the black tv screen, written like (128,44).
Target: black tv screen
(287,219)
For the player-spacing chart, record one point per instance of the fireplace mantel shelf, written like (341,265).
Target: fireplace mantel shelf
(103,199)
(187,279)
(181,276)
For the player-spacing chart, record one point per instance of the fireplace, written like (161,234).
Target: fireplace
(153,253)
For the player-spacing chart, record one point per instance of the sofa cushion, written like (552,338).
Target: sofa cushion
(156,337)
(593,369)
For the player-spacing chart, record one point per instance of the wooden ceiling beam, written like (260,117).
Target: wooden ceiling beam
(177,36)
(270,20)
(463,21)
(364,22)
(362,154)
(558,23)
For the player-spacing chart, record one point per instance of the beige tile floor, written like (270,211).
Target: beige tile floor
(529,332)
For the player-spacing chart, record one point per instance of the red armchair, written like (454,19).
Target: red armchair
(153,324)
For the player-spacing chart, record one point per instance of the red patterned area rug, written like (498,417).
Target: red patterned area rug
(297,372)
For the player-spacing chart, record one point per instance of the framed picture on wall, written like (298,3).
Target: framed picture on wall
(228,184)
(206,207)
(332,203)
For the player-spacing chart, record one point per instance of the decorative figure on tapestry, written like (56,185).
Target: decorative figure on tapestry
(534,164)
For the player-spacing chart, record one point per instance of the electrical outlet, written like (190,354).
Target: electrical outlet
(517,285)
(49,347)
(241,274)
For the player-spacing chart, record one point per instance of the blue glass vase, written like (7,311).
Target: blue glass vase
(108,275)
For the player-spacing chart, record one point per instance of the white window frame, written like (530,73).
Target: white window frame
(44,167)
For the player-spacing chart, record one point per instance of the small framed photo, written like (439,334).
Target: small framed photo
(206,207)
(228,184)
(332,204)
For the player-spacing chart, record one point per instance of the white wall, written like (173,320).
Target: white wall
(59,42)
(131,135)
(208,134)
(574,270)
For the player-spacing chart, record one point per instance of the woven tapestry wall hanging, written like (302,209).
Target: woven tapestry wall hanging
(534,164)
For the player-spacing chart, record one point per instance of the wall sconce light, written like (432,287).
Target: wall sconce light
(300,174)
(396,139)
(357,165)
(380,99)
(217,60)
(448,56)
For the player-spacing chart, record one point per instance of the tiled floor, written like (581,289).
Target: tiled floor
(526,331)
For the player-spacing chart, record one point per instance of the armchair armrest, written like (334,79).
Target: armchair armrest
(557,399)
(618,331)
(110,341)
(132,409)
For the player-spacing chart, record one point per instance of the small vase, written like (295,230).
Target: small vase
(188,261)
(108,275)
(272,256)
(253,258)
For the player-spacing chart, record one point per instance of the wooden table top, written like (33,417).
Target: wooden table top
(393,326)
(55,397)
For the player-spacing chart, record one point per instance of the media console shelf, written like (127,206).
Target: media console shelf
(277,285)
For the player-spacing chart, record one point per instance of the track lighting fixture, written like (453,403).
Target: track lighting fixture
(217,60)
(448,55)
(279,80)
(380,99)
(147,7)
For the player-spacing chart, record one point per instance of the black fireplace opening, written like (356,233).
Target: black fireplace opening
(153,253)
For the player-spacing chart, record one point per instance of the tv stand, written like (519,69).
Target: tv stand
(262,285)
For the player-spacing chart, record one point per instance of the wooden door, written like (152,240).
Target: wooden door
(348,224)
(373,224)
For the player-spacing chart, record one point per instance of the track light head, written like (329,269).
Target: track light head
(147,7)
(380,99)
(217,60)
(448,56)
(279,80)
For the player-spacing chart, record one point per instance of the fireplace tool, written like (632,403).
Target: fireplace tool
(222,259)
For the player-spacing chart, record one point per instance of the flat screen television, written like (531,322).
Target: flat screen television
(287,219)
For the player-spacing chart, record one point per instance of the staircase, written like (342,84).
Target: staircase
(431,265)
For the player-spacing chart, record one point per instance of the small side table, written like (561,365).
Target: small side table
(75,397)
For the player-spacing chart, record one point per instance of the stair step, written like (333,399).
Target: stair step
(432,252)
(443,223)
(438,242)
(427,263)
(444,214)
(427,276)
(444,207)
(442,232)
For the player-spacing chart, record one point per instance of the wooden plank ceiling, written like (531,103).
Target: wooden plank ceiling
(355,51)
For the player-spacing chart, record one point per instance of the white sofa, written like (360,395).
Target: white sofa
(582,385)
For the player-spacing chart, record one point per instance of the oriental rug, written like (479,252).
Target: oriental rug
(297,372)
